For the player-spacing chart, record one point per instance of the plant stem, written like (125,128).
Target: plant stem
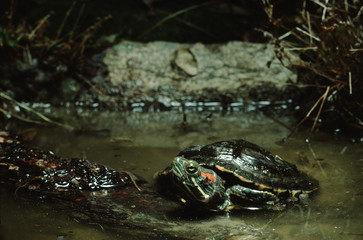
(45,118)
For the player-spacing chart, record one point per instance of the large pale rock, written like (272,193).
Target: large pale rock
(162,70)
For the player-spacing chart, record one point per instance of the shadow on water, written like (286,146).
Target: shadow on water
(145,143)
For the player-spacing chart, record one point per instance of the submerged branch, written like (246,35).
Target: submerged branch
(40,115)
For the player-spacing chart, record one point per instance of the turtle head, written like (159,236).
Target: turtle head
(196,184)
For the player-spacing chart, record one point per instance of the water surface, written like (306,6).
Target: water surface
(144,143)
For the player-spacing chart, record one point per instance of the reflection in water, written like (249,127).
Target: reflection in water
(144,143)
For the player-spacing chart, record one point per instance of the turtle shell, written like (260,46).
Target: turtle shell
(244,163)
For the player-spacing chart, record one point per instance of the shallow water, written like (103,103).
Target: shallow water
(144,143)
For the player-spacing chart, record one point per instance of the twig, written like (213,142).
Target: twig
(309,26)
(69,127)
(11,13)
(40,24)
(93,27)
(323,97)
(309,34)
(356,49)
(316,159)
(64,20)
(301,48)
(323,6)
(350,83)
(76,22)
(173,15)
(98,91)
(284,35)
(189,24)
(306,65)
(98,224)
(7,113)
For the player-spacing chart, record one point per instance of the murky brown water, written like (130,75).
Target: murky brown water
(144,143)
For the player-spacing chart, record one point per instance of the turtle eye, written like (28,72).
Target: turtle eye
(191,167)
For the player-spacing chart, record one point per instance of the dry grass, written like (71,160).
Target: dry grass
(327,40)
(31,41)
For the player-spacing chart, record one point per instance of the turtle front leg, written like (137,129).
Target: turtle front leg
(256,199)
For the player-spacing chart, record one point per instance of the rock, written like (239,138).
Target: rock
(198,72)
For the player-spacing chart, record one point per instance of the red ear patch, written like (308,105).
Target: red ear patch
(209,176)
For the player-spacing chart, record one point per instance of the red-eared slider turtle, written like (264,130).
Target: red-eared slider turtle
(235,174)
